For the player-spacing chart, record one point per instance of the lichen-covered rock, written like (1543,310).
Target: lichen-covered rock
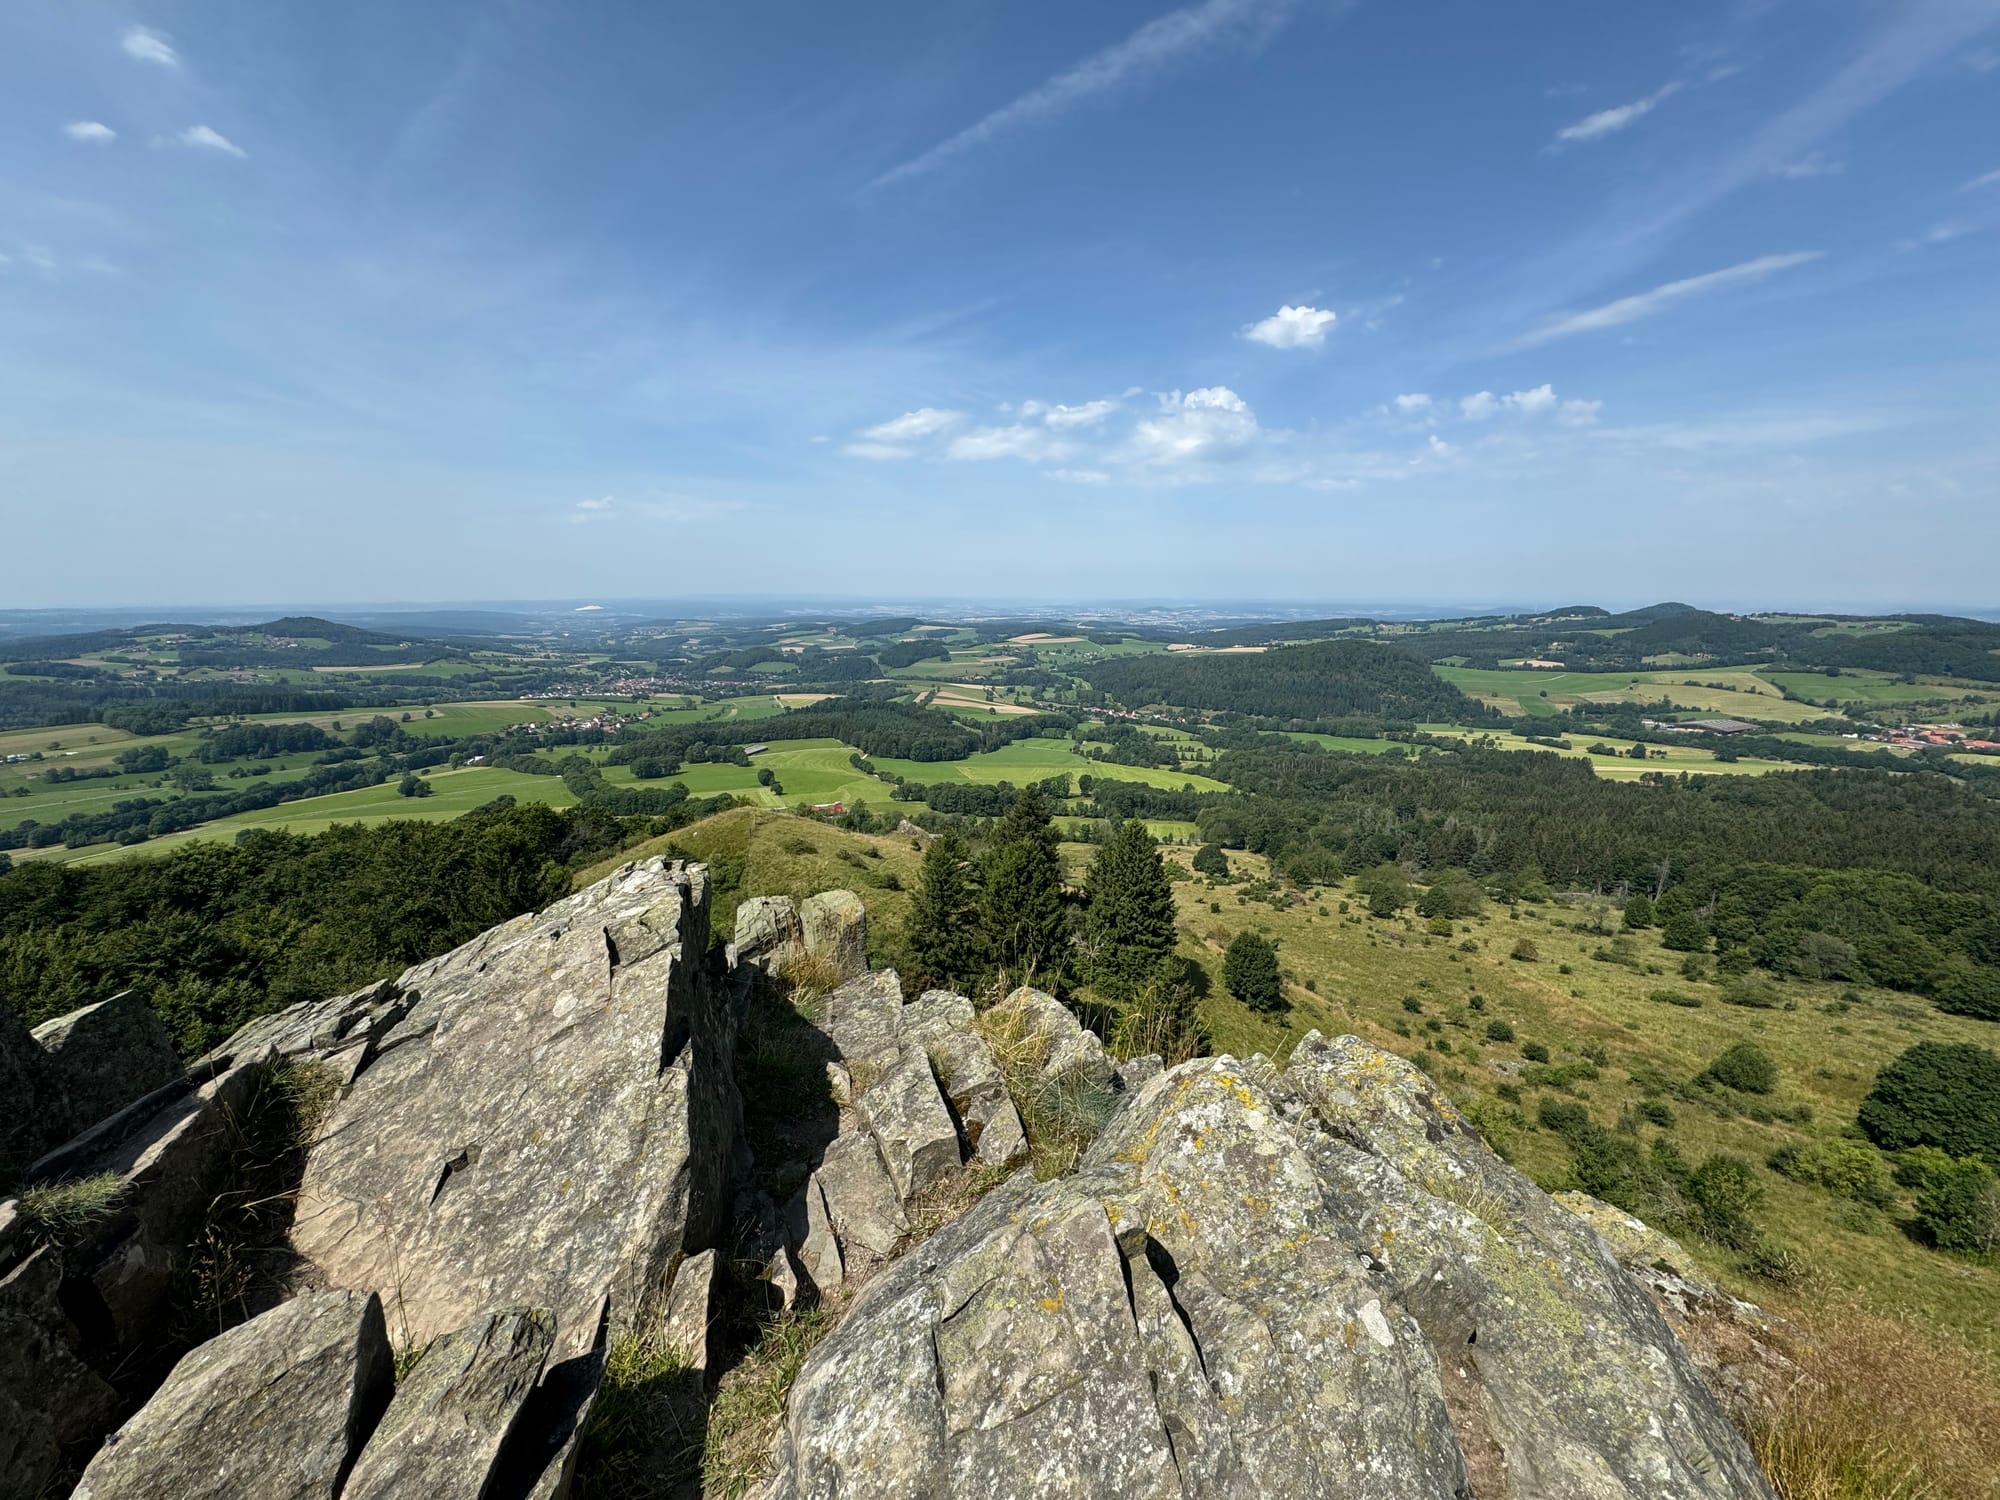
(861,1201)
(769,935)
(864,1022)
(1261,1284)
(444,1432)
(1562,1376)
(106,1055)
(836,929)
(694,1309)
(819,1246)
(918,1141)
(277,1407)
(972,1081)
(935,1014)
(549,1124)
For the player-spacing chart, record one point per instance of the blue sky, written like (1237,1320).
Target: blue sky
(1242,298)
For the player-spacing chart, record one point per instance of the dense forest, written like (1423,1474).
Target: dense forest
(214,935)
(1325,680)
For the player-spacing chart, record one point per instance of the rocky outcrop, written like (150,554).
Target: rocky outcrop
(1259,1282)
(277,1407)
(106,1055)
(836,931)
(443,1435)
(547,1121)
(1310,1283)
(71,1072)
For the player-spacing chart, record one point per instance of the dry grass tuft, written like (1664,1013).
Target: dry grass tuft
(1882,1411)
(948,1199)
(1062,1115)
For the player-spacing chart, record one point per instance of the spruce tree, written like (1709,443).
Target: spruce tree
(943,927)
(1021,910)
(1129,925)
(1250,969)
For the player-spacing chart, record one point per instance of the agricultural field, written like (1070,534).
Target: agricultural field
(1036,760)
(1673,758)
(1725,692)
(454,793)
(1874,688)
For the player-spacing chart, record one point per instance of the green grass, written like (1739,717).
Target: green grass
(1869,688)
(1035,760)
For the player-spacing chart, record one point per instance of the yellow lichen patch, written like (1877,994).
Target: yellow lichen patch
(1053,1304)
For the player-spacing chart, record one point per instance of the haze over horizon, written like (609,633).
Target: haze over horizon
(1234,300)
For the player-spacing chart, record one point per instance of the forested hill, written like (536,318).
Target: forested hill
(1325,680)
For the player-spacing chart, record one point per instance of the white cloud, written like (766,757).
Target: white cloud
(1087,414)
(1532,403)
(1611,121)
(90,132)
(1154,47)
(881,452)
(1293,328)
(1440,448)
(1645,304)
(1937,234)
(648,507)
(911,426)
(1985,179)
(149,46)
(1077,476)
(1811,165)
(1017,441)
(202,138)
(1413,403)
(1207,423)
(1538,401)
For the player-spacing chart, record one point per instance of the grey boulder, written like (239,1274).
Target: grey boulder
(556,1129)
(903,1109)
(277,1408)
(106,1055)
(445,1430)
(836,930)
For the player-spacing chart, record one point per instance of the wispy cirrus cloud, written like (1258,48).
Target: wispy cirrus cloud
(1293,328)
(1660,298)
(90,132)
(1611,121)
(668,508)
(1984,180)
(1151,50)
(201,138)
(143,44)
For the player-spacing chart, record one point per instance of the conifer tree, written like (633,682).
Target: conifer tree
(1129,925)
(943,927)
(1022,923)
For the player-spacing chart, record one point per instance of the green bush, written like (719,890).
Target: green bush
(1534,1052)
(1958,1207)
(1499,1031)
(1847,1168)
(1752,994)
(1655,1112)
(1526,951)
(1250,969)
(1747,1068)
(1676,997)
(1942,1094)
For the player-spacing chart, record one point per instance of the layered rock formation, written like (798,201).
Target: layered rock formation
(1313,1281)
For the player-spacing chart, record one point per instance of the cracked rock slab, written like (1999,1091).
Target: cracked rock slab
(277,1407)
